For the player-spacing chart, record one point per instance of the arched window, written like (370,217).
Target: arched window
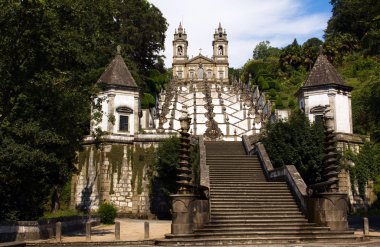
(179,51)
(220,50)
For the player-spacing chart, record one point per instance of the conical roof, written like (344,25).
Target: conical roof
(323,73)
(117,73)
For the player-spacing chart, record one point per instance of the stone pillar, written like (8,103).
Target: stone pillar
(183,208)
(327,206)
(104,188)
(111,112)
(183,202)
(329,209)
(136,113)
(332,97)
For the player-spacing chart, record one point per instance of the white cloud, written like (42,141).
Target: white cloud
(247,22)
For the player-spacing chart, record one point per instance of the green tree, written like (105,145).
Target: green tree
(292,55)
(163,182)
(366,165)
(299,143)
(263,50)
(311,49)
(358,19)
(52,54)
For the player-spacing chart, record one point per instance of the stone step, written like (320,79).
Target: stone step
(241,162)
(257,203)
(285,221)
(268,218)
(217,241)
(228,192)
(282,206)
(256,213)
(237,178)
(240,188)
(253,197)
(218,170)
(240,210)
(269,234)
(262,228)
(253,184)
(258,225)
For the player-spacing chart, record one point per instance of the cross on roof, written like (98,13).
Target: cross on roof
(200,51)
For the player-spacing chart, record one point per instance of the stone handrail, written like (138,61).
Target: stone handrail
(204,169)
(287,173)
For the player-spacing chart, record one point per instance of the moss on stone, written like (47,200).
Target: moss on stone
(83,158)
(115,158)
(141,157)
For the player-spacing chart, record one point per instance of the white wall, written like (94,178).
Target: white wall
(122,98)
(343,121)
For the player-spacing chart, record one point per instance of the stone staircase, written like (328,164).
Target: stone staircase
(248,209)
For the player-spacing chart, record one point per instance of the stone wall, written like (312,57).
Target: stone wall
(115,172)
(42,229)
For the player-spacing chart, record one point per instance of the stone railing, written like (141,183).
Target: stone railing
(287,173)
(203,168)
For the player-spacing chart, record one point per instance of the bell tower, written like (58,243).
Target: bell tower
(180,56)
(220,53)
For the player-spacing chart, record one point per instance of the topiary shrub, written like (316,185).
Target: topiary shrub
(107,213)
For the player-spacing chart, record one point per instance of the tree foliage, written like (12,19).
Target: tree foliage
(299,143)
(366,165)
(358,18)
(52,54)
(263,50)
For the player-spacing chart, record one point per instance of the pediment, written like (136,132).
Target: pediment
(318,109)
(124,109)
(201,59)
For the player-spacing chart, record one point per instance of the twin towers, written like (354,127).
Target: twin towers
(214,68)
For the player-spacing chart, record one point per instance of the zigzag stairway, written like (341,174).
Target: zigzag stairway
(248,209)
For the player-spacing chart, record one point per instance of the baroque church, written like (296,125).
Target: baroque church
(115,166)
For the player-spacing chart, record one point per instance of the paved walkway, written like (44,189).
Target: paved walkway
(133,230)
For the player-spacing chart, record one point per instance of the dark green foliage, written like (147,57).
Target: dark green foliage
(107,213)
(234,74)
(52,53)
(148,101)
(359,19)
(366,165)
(298,143)
(363,74)
(263,50)
(279,103)
(164,175)
(163,180)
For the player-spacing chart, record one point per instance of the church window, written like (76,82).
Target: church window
(209,74)
(191,74)
(179,74)
(220,50)
(318,119)
(221,75)
(123,123)
(179,51)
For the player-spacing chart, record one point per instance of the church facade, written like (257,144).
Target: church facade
(200,67)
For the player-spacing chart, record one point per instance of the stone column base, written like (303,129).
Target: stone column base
(329,209)
(183,209)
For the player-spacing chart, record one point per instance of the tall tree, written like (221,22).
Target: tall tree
(299,143)
(52,54)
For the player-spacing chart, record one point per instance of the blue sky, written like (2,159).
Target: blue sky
(247,22)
